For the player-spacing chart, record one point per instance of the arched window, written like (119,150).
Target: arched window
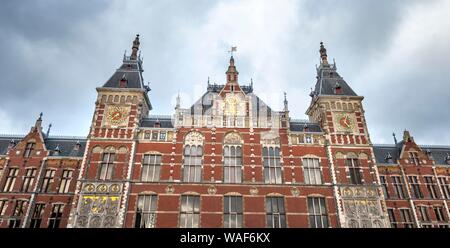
(272,166)
(107,166)
(232,158)
(192,171)
(193,156)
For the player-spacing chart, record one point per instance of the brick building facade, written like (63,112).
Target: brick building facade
(229,160)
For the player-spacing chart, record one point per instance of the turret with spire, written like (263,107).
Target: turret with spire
(232,73)
(323,54)
(135,48)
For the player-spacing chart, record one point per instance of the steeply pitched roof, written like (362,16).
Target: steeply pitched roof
(327,81)
(299,126)
(164,121)
(438,153)
(131,71)
(68,146)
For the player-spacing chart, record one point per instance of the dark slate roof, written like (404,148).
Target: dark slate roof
(205,103)
(165,121)
(132,69)
(438,153)
(299,125)
(68,146)
(382,151)
(6,139)
(327,78)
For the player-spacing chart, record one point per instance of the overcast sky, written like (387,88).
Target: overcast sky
(395,53)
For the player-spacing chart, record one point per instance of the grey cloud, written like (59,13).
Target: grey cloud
(54,54)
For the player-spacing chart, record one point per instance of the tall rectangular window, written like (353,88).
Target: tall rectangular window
(36,217)
(312,171)
(146,211)
(48,180)
(406,218)
(415,187)
(423,213)
(275,213)
(107,166)
(232,211)
(28,180)
(317,211)
(392,218)
(445,187)
(272,166)
(190,211)
(192,169)
(354,171)
(28,149)
(3,206)
(398,186)
(384,186)
(431,187)
(56,216)
(439,212)
(66,178)
(19,211)
(151,167)
(414,158)
(10,179)
(232,164)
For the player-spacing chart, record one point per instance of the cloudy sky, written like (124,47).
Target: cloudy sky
(395,53)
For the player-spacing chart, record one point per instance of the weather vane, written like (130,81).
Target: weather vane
(233,49)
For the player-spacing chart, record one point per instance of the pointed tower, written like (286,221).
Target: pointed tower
(232,85)
(339,111)
(122,101)
(121,105)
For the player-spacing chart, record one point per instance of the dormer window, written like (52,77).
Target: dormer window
(123,82)
(447,159)
(157,124)
(337,88)
(389,158)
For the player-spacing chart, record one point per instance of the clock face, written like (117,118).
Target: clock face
(231,105)
(345,122)
(116,116)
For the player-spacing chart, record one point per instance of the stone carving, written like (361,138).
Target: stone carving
(232,138)
(97,207)
(295,192)
(170,189)
(254,191)
(194,138)
(212,190)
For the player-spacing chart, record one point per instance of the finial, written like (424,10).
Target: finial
(233,49)
(40,116)
(48,129)
(208,81)
(178,104)
(323,54)
(286,108)
(135,48)
(395,138)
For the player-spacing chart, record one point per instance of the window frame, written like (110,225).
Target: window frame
(273,169)
(275,219)
(312,171)
(233,164)
(106,171)
(354,171)
(151,163)
(190,213)
(66,180)
(233,211)
(148,214)
(318,211)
